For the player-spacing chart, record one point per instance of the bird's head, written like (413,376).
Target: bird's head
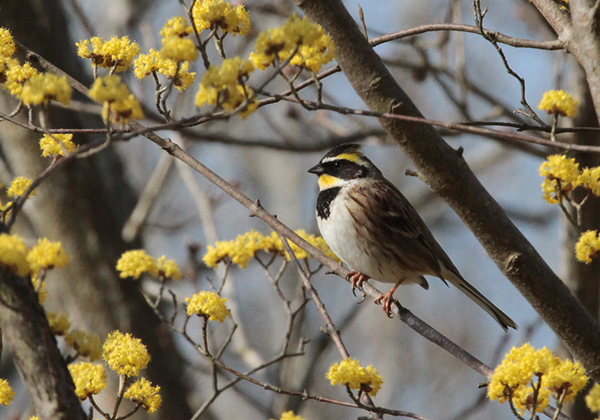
(343,164)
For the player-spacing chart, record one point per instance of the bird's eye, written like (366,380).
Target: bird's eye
(337,164)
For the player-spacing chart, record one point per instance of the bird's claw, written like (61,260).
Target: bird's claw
(386,300)
(358,280)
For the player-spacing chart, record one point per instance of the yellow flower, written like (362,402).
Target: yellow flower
(218,14)
(592,399)
(590,179)
(119,104)
(350,372)
(6,63)
(558,102)
(168,268)
(524,367)
(7,44)
(241,249)
(50,144)
(313,45)
(146,64)
(6,392)
(124,354)
(562,175)
(117,53)
(209,304)
(316,241)
(45,87)
(59,322)
(588,246)
(289,415)
(19,186)
(246,246)
(17,75)
(568,378)
(176,26)
(120,112)
(143,393)
(13,254)
(47,255)
(89,379)
(87,345)
(178,49)
(109,89)
(222,86)
(135,263)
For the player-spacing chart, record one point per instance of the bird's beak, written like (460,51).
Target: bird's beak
(317,169)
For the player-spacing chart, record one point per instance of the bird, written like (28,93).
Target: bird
(371,226)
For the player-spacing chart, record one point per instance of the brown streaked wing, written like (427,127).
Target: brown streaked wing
(403,229)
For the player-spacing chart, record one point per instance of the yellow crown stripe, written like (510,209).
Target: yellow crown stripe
(352,157)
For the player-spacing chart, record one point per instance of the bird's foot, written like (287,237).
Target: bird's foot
(386,301)
(357,280)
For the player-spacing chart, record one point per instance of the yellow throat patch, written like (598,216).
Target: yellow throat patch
(327,181)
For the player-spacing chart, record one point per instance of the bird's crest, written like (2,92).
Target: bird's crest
(347,151)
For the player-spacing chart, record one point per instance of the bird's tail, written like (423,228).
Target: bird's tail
(462,285)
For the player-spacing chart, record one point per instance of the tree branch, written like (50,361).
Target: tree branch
(44,371)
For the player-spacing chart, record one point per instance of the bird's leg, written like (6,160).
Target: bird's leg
(387,299)
(357,279)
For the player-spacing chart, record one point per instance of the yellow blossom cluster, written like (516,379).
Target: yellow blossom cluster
(590,179)
(119,105)
(57,144)
(178,49)
(23,261)
(208,304)
(524,368)
(220,15)
(85,344)
(176,26)
(174,57)
(6,392)
(59,322)
(125,354)
(13,254)
(19,186)
(311,46)
(136,262)
(152,62)
(16,76)
(562,175)
(47,255)
(224,86)
(115,53)
(289,415)
(7,44)
(588,246)
(146,395)
(558,102)
(89,379)
(43,87)
(26,83)
(592,399)
(246,246)
(350,372)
